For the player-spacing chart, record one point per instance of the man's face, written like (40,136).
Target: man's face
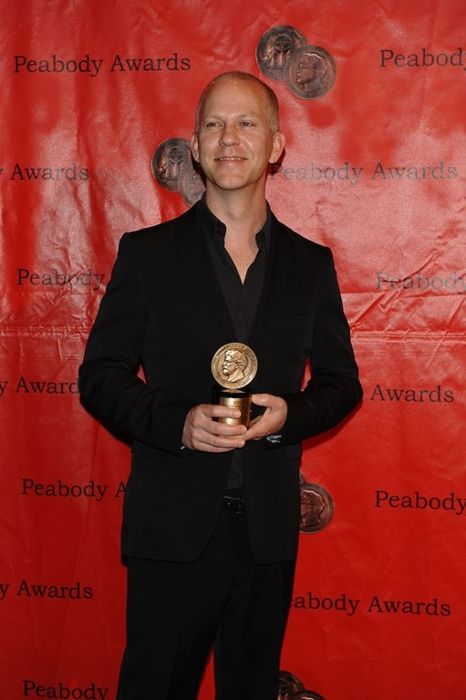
(235,142)
(230,364)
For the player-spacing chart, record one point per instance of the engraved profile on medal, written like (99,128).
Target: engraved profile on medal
(310,72)
(173,168)
(234,365)
(190,186)
(275,48)
(168,160)
(316,507)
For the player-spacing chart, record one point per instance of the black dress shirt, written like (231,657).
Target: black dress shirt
(242,298)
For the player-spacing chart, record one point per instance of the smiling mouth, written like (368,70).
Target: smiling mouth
(230,158)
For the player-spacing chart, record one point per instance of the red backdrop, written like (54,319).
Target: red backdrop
(375,169)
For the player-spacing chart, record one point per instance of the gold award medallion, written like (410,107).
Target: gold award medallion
(234,365)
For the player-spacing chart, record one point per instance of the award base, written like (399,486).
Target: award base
(236,399)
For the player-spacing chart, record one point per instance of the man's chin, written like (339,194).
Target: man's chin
(230,184)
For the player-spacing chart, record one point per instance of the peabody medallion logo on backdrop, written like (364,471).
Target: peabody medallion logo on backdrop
(316,507)
(283,53)
(290,687)
(174,170)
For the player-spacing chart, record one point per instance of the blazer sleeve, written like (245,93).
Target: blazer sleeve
(110,388)
(334,389)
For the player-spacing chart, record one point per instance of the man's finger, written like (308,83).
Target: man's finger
(257,431)
(203,438)
(219,411)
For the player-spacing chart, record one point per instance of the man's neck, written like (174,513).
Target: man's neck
(243,213)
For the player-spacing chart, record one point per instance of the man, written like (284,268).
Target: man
(211,509)
(310,73)
(234,365)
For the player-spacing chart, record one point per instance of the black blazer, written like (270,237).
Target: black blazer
(163,310)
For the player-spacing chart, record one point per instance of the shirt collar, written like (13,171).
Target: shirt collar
(216,229)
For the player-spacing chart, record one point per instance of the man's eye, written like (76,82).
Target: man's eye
(211,124)
(246,122)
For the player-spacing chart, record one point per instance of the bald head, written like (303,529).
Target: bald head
(240,76)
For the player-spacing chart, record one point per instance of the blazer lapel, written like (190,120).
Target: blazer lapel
(195,258)
(277,278)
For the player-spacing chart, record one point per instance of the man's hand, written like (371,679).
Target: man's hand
(202,432)
(271,421)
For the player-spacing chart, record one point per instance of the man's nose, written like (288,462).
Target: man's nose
(229,136)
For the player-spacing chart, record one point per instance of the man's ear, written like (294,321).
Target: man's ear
(195,147)
(277,146)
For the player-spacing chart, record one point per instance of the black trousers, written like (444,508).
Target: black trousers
(177,612)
